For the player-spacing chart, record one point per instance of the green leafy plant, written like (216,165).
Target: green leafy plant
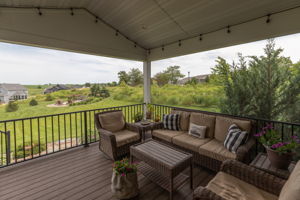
(138,117)
(269,137)
(124,167)
(49,98)
(33,102)
(12,106)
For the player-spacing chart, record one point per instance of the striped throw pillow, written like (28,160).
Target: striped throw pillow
(235,138)
(171,122)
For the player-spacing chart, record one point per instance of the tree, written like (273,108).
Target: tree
(87,85)
(123,77)
(12,106)
(135,77)
(49,98)
(193,81)
(33,102)
(265,87)
(171,75)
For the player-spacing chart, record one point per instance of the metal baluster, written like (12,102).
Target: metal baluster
(39,136)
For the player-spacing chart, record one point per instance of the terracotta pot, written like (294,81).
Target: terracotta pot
(148,115)
(279,160)
(124,187)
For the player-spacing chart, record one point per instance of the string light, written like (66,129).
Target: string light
(149,52)
(228,29)
(200,37)
(162,47)
(96,19)
(72,13)
(135,44)
(117,32)
(39,11)
(179,43)
(268,18)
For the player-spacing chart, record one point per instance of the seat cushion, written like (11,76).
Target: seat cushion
(112,121)
(204,120)
(223,124)
(232,188)
(165,134)
(291,189)
(216,150)
(184,119)
(125,137)
(189,142)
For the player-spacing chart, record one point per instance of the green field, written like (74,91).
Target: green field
(45,131)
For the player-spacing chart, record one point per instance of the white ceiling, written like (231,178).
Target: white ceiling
(153,23)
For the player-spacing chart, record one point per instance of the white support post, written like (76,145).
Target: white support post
(147,83)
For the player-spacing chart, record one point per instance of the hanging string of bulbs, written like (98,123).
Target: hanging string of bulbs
(72,13)
(228,28)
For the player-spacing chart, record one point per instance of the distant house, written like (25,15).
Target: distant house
(200,78)
(55,88)
(11,92)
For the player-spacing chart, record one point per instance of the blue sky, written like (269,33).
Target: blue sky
(31,65)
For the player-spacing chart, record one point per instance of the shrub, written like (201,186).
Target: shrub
(12,107)
(27,149)
(33,102)
(49,98)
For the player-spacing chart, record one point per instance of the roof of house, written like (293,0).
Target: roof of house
(12,87)
(198,77)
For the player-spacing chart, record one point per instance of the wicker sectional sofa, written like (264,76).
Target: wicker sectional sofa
(210,151)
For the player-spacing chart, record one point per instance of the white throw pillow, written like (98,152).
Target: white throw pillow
(197,131)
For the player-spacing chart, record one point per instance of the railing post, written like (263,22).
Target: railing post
(86,144)
(7,139)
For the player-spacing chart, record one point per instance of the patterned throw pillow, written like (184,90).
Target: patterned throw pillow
(197,131)
(235,138)
(171,122)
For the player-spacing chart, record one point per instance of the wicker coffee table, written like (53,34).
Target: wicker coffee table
(163,164)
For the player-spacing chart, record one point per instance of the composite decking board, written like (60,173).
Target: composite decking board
(35,177)
(79,173)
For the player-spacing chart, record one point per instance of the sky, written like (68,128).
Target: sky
(32,65)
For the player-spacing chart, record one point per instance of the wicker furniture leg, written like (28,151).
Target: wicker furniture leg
(191,176)
(171,189)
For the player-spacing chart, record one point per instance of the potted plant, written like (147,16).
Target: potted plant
(138,117)
(149,111)
(124,183)
(157,118)
(280,153)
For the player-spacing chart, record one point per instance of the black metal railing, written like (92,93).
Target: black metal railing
(28,138)
(33,137)
(286,129)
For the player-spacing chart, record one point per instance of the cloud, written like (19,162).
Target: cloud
(32,65)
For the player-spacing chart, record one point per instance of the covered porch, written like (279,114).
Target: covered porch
(137,30)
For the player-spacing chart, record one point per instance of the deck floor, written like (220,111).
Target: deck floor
(79,173)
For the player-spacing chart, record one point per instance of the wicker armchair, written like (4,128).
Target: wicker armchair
(266,184)
(116,136)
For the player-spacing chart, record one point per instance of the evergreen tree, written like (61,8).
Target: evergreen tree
(266,88)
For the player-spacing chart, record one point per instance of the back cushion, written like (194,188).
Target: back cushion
(112,121)
(291,189)
(184,119)
(204,120)
(223,124)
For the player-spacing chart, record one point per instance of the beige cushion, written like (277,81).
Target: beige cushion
(197,131)
(165,134)
(204,120)
(232,188)
(216,150)
(112,121)
(125,137)
(291,189)
(223,123)
(189,142)
(184,119)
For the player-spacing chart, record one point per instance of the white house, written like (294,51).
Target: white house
(10,92)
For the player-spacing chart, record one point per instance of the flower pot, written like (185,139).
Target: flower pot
(148,115)
(279,160)
(124,187)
